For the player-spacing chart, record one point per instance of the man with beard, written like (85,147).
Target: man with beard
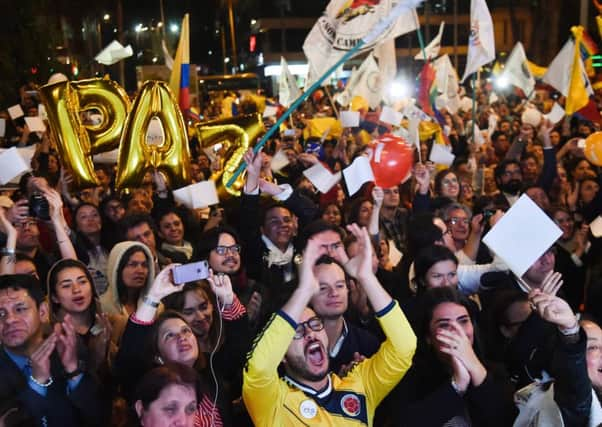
(295,336)
(509,180)
(347,342)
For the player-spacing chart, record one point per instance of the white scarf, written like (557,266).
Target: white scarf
(276,256)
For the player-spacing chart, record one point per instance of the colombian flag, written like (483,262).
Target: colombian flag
(180,74)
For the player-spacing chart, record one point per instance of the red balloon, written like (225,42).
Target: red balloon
(395,158)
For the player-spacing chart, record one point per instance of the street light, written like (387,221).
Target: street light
(174,28)
(106,17)
(138,28)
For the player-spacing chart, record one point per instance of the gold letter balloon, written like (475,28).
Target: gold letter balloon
(77,139)
(154,138)
(236,135)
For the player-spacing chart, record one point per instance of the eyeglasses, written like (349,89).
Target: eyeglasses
(223,250)
(315,324)
(455,220)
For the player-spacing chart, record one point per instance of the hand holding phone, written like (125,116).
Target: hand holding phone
(191,272)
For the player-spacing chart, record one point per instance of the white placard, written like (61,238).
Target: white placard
(440,154)
(203,194)
(197,196)
(15,111)
(596,227)
(279,161)
(35,124)
(556,114)
(350,119)
(321,177)
(270,111)
(522,235)
(357,174)
(389,115)
(12,165)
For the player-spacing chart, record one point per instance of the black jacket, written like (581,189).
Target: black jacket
(81,407)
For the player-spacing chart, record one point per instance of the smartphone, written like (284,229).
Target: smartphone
(190,272)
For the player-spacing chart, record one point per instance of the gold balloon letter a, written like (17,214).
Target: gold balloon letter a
(236,134)
(154,137)
(76,140)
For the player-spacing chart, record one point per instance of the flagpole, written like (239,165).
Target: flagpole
(334,107)
(420,40)
(369,38)
(474,107)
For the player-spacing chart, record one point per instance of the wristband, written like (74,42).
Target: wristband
(570,331)
(8,251)
(45,385)
(146,300)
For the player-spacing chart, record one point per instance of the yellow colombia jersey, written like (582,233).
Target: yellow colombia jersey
(348,401)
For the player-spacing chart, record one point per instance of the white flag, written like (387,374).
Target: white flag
(560,70)
(432,49)
(366,82)
(387,64)
(287,85)
(447,84)
(481,44)
(345,22)
(517,72)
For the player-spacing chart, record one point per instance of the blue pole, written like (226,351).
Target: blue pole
(369,38)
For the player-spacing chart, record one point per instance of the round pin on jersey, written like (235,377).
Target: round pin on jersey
(308,409)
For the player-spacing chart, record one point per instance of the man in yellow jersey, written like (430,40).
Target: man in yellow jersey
(308,394)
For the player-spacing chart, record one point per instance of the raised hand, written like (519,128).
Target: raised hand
(553,309)
(360,266)
(221,287)
(254,162)
(55,203)
(551,283)
(423,177)
(378,195)
(18,212)
(163,284)
(313,251)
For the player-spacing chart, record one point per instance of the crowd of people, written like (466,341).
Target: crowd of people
(379,308)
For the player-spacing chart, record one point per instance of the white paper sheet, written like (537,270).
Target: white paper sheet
(596,227)
(270,111)
(357,174)
(197,196)
(321,177)
(35,124)
(279,161)
(12,165)
(441,155)
(114,53)
(556,114)
(523,234)
(15,111)
(350,119)
(203,194)
(389,115)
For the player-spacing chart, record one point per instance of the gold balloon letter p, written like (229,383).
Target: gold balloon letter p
(154,137)
(77,140)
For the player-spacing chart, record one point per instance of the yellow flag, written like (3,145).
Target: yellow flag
(577,96)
